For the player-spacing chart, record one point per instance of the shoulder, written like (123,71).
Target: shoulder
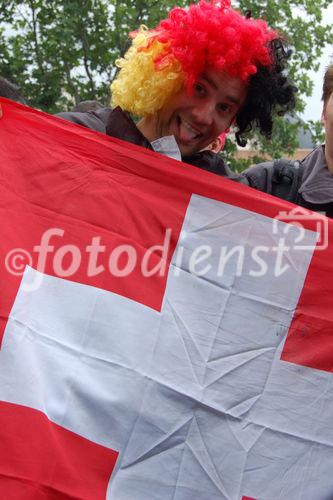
(260,176)
(95,120)
(314,158)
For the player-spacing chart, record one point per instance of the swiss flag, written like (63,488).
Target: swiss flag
(163,336)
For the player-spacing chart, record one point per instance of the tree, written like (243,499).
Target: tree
(63,51)
(59,51)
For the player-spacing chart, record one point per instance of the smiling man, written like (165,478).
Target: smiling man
(195,119)
(199,71)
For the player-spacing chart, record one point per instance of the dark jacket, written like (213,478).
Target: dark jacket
(119,124)
(315,190)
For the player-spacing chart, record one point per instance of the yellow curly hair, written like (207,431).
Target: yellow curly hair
(139,88)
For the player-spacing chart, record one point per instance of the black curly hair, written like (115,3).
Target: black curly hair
(269,91)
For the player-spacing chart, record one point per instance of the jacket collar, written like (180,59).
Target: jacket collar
(121,126)
(317,180)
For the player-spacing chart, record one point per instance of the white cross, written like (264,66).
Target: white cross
(195,397)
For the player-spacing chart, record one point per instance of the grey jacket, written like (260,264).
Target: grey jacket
(316,187)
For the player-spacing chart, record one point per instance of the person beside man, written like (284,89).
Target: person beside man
(85,106)
(308,183)
(199,71)
(11,91)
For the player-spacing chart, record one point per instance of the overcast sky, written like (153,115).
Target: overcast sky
(313,107)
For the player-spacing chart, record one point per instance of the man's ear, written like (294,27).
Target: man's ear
(216,145)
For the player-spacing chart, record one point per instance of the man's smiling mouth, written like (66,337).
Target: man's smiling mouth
(186,132)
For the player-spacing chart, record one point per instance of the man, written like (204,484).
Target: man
(308,183)
(199,71)
(10,91)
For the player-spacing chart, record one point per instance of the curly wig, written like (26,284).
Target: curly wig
(161,61)
(269,89)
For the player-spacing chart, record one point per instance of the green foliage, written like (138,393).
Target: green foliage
(240,164)
(63,51)
(316,130)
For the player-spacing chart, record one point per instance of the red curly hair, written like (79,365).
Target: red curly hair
(212,34)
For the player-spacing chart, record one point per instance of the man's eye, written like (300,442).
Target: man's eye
(223,107)
(199,89)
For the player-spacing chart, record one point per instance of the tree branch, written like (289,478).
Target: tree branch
(71,84)
(35,38)
(86,59)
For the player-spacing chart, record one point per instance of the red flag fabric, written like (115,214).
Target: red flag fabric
(165,334)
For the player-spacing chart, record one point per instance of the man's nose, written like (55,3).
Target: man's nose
(203,112)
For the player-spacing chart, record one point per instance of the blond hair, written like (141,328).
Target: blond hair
(139,88)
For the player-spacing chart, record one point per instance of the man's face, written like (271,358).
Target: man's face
(328,122)
(196,120)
